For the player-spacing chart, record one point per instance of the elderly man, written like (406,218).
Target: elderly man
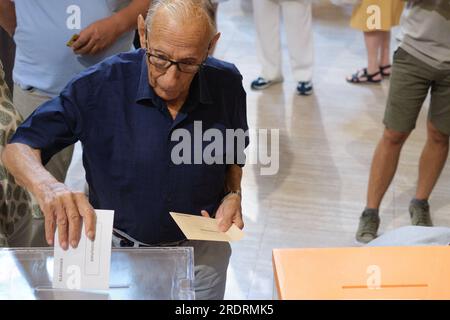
(126,111)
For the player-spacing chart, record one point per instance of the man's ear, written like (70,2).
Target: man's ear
(213,43)
(141,30)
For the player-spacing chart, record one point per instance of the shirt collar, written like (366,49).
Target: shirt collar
(199,91)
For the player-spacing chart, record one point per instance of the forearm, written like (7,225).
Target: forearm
(24,163)
(127,17)
(8,16)
(233,178)
(59,205)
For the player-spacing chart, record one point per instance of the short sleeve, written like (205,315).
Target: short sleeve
(57,123)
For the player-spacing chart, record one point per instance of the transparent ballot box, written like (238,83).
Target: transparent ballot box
(136,274)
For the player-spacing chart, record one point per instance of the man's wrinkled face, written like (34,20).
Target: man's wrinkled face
(181,42)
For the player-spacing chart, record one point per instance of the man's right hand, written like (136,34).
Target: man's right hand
(61,207)
(67,210)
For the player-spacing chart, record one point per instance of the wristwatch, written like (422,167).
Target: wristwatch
(238,192)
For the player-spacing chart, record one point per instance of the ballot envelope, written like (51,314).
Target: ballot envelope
(419,272)
(135,274)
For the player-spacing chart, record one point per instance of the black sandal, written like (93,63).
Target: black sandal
(385,74)
(369,78)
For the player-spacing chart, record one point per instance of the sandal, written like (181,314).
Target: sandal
(385,74)
(362,76)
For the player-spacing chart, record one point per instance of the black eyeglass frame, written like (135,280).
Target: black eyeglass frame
(170,63)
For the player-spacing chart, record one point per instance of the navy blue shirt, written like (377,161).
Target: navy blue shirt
(126,132)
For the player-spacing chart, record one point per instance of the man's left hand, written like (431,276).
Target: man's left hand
(229,212)
(97,37)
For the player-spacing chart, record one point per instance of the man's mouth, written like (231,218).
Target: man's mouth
(169,92)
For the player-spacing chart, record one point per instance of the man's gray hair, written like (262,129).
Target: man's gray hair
(184,10)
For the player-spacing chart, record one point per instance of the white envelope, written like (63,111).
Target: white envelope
(202,228)
(87,266)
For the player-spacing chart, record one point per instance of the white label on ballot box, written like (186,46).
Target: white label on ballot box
(87,266)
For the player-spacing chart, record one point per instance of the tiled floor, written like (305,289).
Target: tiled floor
(326,145)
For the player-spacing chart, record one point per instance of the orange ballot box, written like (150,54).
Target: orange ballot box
(420,272)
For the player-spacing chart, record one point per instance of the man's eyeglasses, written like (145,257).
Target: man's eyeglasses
(163,63)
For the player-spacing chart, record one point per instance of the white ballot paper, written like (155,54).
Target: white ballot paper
(202,228)
(87,266)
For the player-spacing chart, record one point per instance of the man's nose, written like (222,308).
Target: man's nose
(172,74)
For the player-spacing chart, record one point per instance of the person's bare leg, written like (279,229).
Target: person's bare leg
(384,165)
(373,41)
(385,51)
(432,161)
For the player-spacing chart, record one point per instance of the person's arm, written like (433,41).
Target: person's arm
(53,126)
(8,16)
(230,210)
(101,34)
(59,205)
